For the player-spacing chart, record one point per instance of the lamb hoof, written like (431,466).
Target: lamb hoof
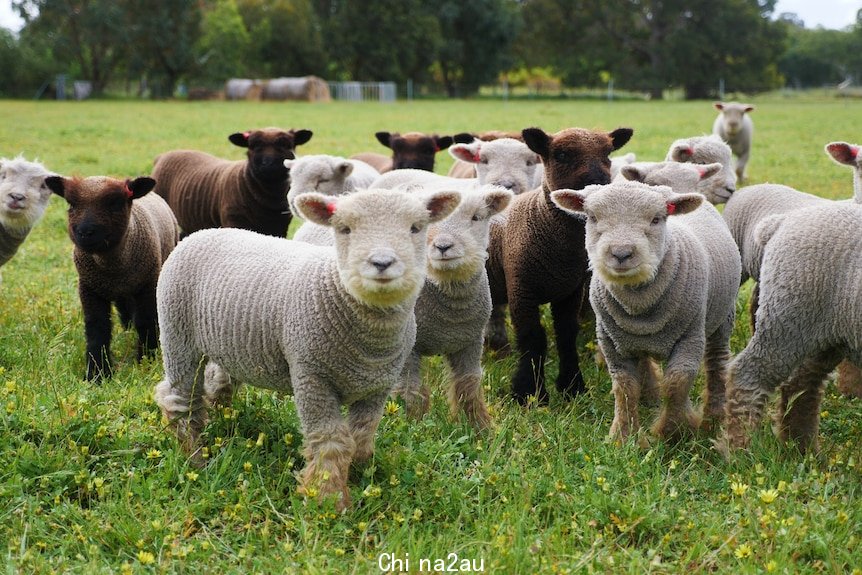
(571,386)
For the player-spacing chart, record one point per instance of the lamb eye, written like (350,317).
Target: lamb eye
(415,229)
(592,218)
(561,156)
(483,160)
(344,230)
(656,220)
(476,218)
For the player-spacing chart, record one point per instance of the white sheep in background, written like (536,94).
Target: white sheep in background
(734,126)
(455,305)
(618,162)
(23,199)
(327,175)
(664,287)
(704,150)
(504,162)
(809,317)
(332,326)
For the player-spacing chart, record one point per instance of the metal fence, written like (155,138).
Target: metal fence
(363,91)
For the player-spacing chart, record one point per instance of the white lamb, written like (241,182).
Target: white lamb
(734,126)
(809,317)
(664,287)
(332,326)
(327,175)
(455,305)
(23,199)
(707,150)
(504,162)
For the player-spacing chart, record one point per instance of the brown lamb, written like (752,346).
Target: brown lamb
(411,150)
(122,236)
(537,255)
(209,192)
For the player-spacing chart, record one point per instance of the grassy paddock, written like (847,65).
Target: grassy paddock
(91,482)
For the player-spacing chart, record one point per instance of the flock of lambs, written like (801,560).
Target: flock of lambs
(394,262)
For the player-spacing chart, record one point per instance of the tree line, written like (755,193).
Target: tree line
(153,46)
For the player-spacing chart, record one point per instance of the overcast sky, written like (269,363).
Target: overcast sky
(826,13)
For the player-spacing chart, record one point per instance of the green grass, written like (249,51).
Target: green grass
(92,482)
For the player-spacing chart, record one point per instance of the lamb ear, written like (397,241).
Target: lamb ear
(466,152)
(315,208)
(537,140)
(569,200)
(57,185)
(239,139)
(442,142)
(681,153)
(497,199)
(748,108)
(441,204)
(633,173)
(301,137)
(718,105)
(843,153)
(385,138)
(345,168)
(709,170)
(679,204)
(463,138)
(140,187)
(621,136)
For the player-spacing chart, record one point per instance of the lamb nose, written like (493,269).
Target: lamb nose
(443,247)
(17,197)
(382,263)
(622,253)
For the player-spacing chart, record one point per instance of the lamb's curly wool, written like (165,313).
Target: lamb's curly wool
(664,287)
(23,199)
(707,150)
(332,326)
(455,305)
(810,316)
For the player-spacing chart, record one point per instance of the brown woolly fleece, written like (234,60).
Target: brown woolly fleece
(537,254)
(411,150)
(209,192)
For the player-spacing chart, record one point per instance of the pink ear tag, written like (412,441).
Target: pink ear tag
(476,158)
(854,151)
(330,207)
(246,135)
(671,208)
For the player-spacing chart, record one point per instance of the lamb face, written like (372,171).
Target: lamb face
(626,227)
(504,162)
(732,115)
(457,246)
(23,193)
(380,250)
(268,149)
(704,150)
(99,209)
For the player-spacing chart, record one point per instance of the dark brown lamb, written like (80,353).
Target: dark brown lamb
(122,236)
(537,255)
(209,192)
(411,150)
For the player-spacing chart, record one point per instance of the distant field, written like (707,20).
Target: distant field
(91,482)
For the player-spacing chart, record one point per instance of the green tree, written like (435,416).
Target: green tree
(164,33)
(286,38)
(381,39)
(224,44)
(478,42)
(817,57)
(87,37)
